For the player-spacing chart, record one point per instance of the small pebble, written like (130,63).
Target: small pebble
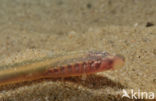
(149,24)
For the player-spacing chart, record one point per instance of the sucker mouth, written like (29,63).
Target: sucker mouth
(119,61)
(121,56)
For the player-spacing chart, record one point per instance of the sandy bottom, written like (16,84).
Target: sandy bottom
(30,30)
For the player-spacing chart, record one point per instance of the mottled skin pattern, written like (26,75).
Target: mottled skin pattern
(97,62)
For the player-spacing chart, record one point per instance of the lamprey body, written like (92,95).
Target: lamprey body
(61,66)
